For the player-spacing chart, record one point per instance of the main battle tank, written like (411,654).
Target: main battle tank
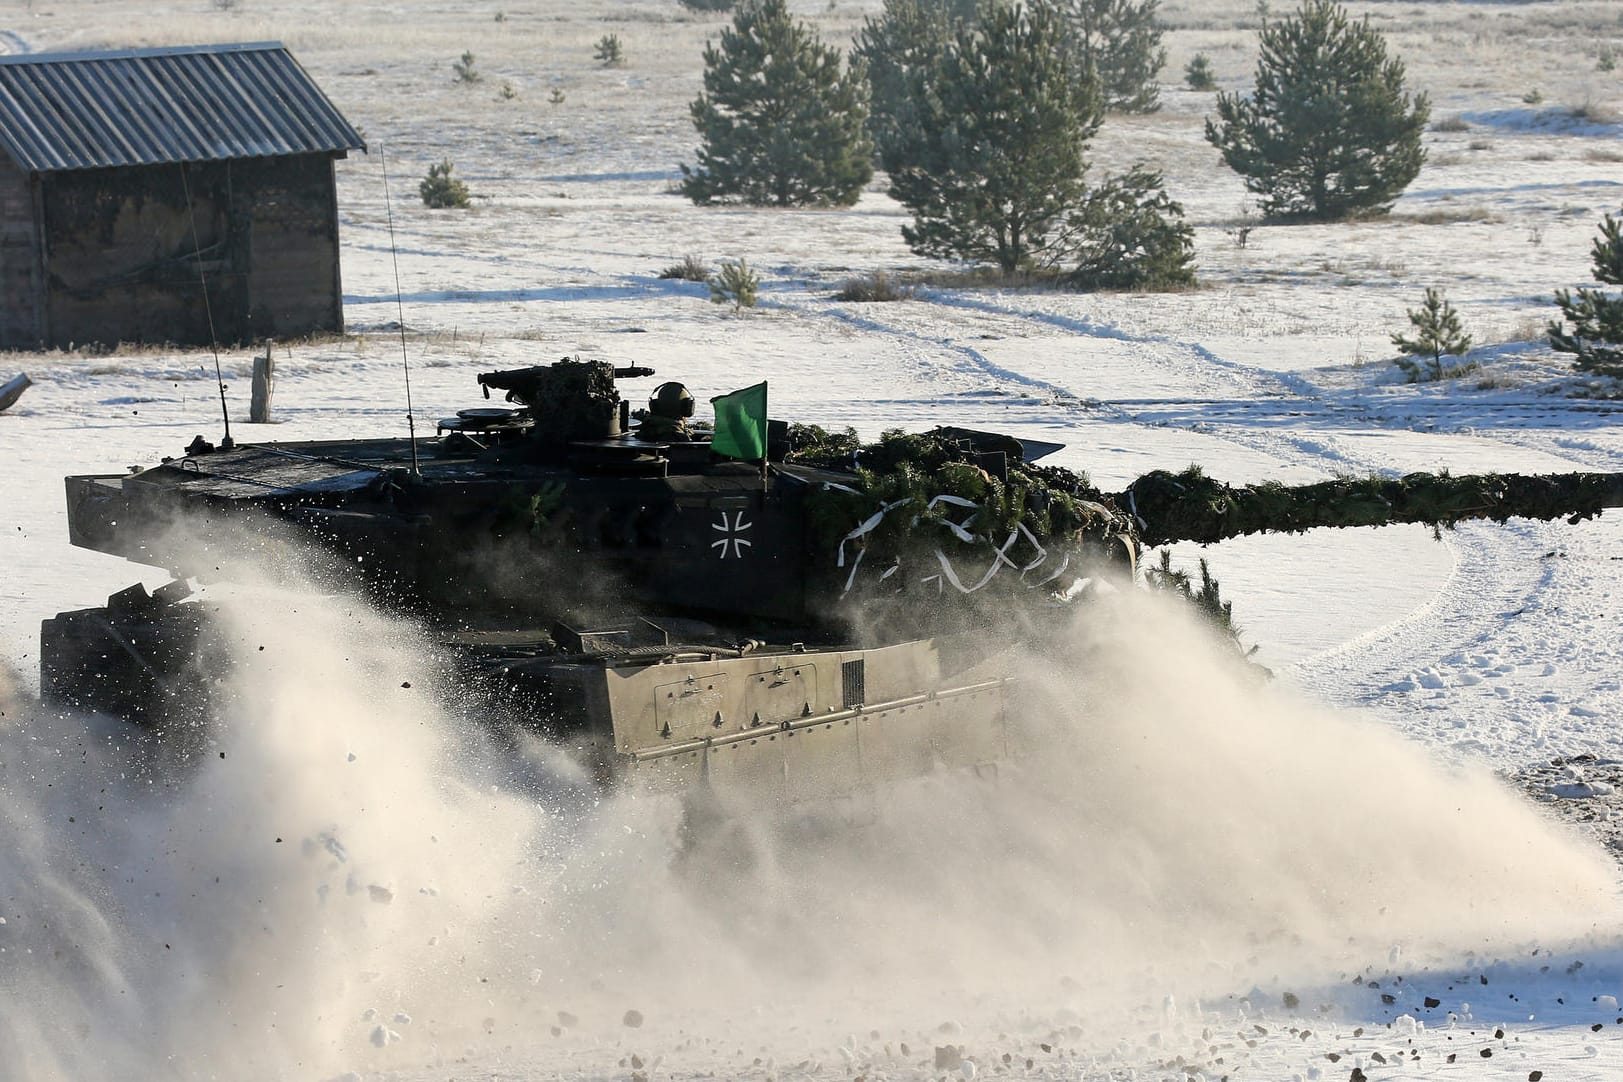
(752,600)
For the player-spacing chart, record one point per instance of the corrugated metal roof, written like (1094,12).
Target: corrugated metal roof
(147,106)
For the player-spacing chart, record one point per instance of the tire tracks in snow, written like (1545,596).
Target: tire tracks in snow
(953,359)
(1490,667)
(1473,656)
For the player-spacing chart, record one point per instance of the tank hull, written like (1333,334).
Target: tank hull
(797,724)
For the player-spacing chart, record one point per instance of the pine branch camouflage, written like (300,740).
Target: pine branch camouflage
(781,118)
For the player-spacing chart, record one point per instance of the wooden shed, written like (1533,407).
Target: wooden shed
(181,195)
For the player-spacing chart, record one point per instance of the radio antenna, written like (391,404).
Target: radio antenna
(208,310)
(400,312)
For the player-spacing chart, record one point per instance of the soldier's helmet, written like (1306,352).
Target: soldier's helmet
(671,400)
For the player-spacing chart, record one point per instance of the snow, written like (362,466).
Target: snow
(1296,896)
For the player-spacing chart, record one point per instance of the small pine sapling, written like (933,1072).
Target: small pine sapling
(464,69)
(1437,334)
(557,96)
(440,189)
(609,51)
(734,283)
(1198,73)
(1596,338)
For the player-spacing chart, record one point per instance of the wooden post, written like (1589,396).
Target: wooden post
(259,408)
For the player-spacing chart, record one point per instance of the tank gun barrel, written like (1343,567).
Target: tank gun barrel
(1190,506)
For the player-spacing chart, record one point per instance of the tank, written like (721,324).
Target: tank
(684,603)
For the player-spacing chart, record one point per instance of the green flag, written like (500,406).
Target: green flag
(741,424)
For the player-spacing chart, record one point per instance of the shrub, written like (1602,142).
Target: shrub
(1128,234)
(464,70)
(1437,334)
(873,288)
(734,283)
(1590,111)
(1198,73)
(690,269)
(557,96)
(440,189)
(609,51)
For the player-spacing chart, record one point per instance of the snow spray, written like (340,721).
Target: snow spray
(350,875)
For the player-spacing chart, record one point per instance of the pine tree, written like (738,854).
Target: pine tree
(439,189)
(1329,130)
(1000,141)
(1122,41)
(900,48)
(609,51)
(780,120)
(1129,234)
(1596,339)
(1197,74)
(734,283)
(1438,334)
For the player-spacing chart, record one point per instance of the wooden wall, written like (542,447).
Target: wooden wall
(293,280)
(129,252)
(19,292)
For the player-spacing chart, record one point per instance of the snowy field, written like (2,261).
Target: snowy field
(1358,872)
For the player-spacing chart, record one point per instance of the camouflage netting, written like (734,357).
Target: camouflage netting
(1190,506)
(920,512)
(920,515)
